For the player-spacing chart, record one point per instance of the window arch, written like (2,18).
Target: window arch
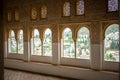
(20,42)
(83,44)
(47,43)
(80,7)
(66,9)
(112,5)
(12,42)
(36,43)
(33,13)
(68,44)
(111,43)
(43,12)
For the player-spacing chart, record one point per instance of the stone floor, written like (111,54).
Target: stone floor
(21,75)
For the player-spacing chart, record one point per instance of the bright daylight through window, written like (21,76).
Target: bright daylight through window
(112,5)
(83,44)
(36,43)
(12,42)
(47,44)
(111,43)
(68,44)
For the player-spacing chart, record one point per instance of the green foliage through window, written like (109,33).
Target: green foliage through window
(83,44)
(47,44)
(112,43)
(68,44)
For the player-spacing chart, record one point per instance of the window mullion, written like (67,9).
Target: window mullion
(75,48)
(17,46)
(42,48)
(33,46)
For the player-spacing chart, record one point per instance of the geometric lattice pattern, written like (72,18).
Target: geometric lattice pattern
(80,7)
(9,16)
(66,9)
(112,5)
(43,12)
(34,13)
(16,15)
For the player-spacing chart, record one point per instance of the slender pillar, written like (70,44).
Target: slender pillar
(5,43)
(55,45)
(95,46)
(26,43)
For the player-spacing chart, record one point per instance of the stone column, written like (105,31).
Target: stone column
(6,35)
(55,45)
(95,46)
(26,43)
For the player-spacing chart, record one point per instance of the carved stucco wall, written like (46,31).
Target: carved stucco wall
(95,16)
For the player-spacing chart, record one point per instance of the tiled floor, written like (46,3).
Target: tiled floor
(21,75)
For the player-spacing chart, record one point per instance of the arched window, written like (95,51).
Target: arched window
(20,42)
(68,44)
(66,9)
(16,15)
(80,7)
(43,12)
(9,17)
(111,43)
(112,5)
(33,13)
(83,44)
(47,44)
(36,43)
(12,42)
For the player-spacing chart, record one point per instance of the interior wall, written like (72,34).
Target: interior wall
(95,14)
(1,42)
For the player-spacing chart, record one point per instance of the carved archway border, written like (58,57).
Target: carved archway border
(106,24)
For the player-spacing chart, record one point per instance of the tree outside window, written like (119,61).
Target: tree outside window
(12,43)
(20,42)
(68,44)
(47,44)
(36,43)
(111,43)
(83,44)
